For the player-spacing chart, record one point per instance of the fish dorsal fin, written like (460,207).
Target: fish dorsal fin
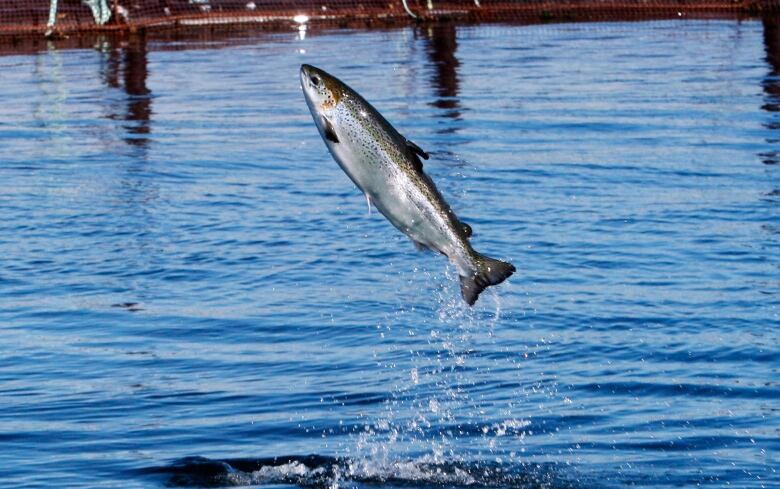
(417,150)
(330,131)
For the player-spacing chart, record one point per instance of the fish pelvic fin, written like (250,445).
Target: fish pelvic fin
(489,272)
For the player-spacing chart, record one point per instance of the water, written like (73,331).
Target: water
(193,293)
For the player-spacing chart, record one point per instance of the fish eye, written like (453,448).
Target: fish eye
(315,80)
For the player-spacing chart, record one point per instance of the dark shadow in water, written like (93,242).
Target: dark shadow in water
(441,44)
(771,85)
(126,69)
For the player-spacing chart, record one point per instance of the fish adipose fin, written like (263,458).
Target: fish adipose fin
(330,132)
(489,272)
(466,229)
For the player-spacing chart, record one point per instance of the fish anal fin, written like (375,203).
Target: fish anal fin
(329,130)
(417,150)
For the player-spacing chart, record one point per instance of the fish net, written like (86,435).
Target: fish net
(63,17)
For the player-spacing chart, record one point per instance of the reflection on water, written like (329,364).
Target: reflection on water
(126,68)
(441,46)
(123,67)
(771,84)
(49,108)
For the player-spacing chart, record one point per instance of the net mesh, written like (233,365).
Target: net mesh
(62,17)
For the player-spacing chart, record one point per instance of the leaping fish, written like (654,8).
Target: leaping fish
(387,168)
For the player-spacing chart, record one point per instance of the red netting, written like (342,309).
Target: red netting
(60,17)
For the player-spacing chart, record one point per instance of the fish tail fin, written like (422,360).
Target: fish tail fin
(489,272)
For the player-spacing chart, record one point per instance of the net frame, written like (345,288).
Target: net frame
(60,18)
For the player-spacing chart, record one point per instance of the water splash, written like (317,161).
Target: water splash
(333,473)
(436,410)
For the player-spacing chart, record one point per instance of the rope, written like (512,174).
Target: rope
(406,7)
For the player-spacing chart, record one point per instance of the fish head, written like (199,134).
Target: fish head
(323,92)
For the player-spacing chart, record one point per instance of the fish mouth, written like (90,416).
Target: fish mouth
(304,74)
(305,71)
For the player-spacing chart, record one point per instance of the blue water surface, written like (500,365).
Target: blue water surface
(192,293)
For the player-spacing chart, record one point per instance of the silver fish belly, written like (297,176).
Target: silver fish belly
(387,168)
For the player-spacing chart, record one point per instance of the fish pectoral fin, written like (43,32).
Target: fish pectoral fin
(417,150)
(330,131)
(368,201)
